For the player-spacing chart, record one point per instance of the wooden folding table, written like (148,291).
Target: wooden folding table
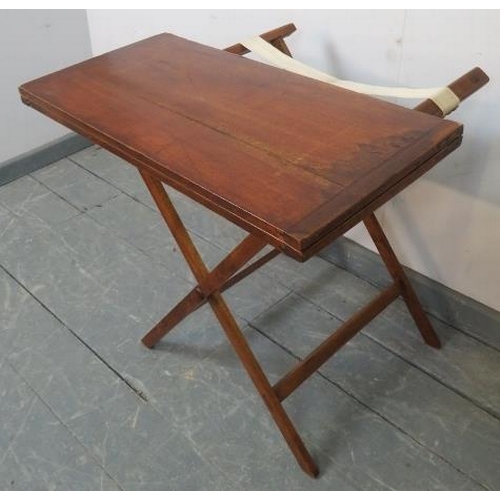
(293,161)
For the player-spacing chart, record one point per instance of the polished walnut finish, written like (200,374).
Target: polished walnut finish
(294,161)
(283,156)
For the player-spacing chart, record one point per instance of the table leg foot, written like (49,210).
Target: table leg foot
(397,272)
(311,469)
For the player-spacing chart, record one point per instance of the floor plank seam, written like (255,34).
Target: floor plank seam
(137,391)
(108,182)
(456,391)
(372,410)
(463,395)
(121,238)
(60,196)
(130,243)
(129,384)
(70,432)
(429,313)
(152,209)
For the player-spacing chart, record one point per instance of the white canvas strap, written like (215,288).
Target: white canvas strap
(443,97)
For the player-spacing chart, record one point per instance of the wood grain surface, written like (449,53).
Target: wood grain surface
(290,159)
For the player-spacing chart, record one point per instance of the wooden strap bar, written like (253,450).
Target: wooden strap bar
(463,87)
(274,36)
(281,45)
(334,342)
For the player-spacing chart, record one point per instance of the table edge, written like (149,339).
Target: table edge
(207,198)
(294,245)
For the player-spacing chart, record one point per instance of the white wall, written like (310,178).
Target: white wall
(447,225)
(33,43)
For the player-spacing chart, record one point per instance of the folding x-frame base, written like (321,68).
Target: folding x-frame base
(231,270)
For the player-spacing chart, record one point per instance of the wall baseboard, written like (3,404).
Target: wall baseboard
(464,313)
(26,163)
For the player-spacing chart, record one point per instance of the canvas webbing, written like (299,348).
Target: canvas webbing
(443,97)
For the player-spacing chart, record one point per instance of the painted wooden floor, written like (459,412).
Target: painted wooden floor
(87,266)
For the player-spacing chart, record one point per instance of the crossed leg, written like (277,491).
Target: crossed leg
(209,290)
(228,272)
(221,278)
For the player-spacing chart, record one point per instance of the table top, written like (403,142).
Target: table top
(286,157)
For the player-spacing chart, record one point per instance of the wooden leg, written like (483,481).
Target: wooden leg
(263,385)
(396,271)
(303,370)
(213,281)
(209,284)
(196,298)
(192,301)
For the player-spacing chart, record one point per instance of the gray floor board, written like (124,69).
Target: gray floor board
(126,435)
(442,421)
(37,452)
(363,448)
(113,170)
(26,197)
(201,222)
(151,236)
(76,185)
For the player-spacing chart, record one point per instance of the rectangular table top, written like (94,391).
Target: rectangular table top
(286,157)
